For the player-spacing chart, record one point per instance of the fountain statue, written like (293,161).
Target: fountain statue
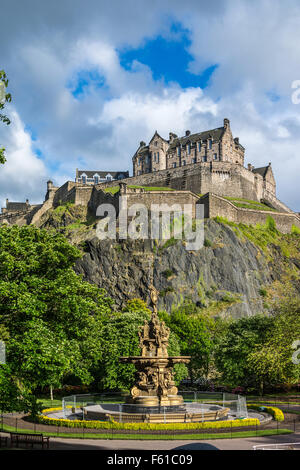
(154,386)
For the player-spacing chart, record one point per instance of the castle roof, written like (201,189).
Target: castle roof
(261,171)
(214,134)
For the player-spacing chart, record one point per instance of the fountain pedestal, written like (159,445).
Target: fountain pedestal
(154,387)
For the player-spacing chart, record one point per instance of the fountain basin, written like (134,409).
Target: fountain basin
(186,413)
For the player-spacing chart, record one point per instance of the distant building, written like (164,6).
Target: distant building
(96,177)
(16,206)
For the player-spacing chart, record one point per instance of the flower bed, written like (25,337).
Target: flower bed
(76,423)
(272,410)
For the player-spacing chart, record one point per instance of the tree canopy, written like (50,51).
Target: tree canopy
(51,317)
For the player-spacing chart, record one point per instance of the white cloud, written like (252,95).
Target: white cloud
(23,175)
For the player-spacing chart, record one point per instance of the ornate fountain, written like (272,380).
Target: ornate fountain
(154,387)
(154,396)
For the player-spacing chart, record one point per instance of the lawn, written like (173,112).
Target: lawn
(168,437)
(115,189)
(249,204)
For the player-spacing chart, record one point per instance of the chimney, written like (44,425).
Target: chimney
(249,167)
(27,202)
(172,136)
(237,140)
(6,202)
(142,144)
(187,133)
(226,123)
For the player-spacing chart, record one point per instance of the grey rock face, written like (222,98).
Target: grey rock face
(227,272)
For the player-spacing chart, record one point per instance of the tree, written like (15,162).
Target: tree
(195,339)
(243,337)
(3,117)
(52,316)
(273,363)
(14,396)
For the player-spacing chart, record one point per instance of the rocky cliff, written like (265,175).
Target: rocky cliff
(229,275)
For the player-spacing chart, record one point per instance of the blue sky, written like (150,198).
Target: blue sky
(88,84)
(168,59)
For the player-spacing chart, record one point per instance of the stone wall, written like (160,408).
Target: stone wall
(61,195)
(99,197)
(217,206)
(149,198)
(222,178)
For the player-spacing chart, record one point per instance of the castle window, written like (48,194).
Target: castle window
(199,146)
(178,151)
(205,158)
(215,156)
(189,149)
(174,165)
(155,143)
(83,179)
(183,162)
(157,156)
(194,160)
(96,179)
(209,143)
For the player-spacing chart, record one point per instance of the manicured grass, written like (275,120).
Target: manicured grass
(249,204)
(167,437)
(115,189)
(152,188)
(287,410)
(47,403)
(112,190)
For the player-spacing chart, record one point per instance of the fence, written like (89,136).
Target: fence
(291,424)
(13,423)
(285,446)
(192,400)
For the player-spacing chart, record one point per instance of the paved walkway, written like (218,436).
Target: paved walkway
(221,444)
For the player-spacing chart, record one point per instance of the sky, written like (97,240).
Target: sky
(90,80)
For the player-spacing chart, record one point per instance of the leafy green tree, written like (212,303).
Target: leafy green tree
(52,316)
(272,363)
(195,339)
(3,117)
(136,305)
(242,338)
(13,395)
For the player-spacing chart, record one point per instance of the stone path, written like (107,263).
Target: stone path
(222,444)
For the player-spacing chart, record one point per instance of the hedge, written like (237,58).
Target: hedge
(76,423)
(275,412)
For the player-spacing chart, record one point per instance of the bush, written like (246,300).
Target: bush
(207,243)
(271,224)
(143,426)
(295,230)
(275,412)
(263,292)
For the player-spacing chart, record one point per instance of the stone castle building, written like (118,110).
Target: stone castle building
(209,161)
(207,168)
(216,145)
